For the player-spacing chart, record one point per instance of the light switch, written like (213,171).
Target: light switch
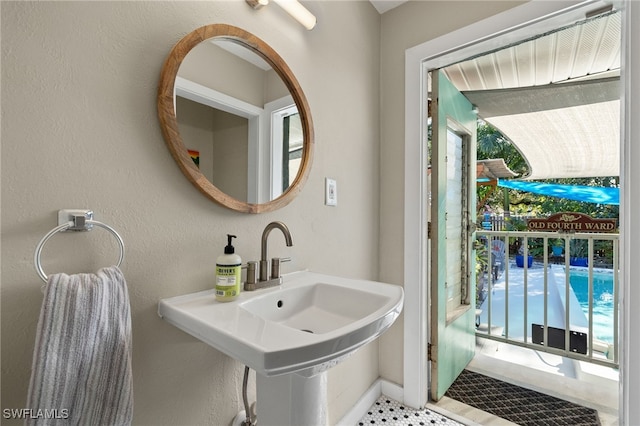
(330,192)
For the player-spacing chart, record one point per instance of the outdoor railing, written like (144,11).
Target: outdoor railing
(538,317)
(500,222)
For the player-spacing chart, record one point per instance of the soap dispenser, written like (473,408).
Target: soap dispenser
(228,270)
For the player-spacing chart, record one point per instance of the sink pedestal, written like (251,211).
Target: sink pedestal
(291,400)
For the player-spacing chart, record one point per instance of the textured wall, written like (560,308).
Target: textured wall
(80,130)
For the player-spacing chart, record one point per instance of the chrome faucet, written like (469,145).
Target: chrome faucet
(264,279)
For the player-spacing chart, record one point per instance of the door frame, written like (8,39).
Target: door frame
(529,19)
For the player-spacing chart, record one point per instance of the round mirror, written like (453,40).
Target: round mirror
(235,119)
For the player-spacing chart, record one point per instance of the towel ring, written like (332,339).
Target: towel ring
(86,224)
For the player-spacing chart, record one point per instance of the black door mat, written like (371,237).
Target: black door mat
(518,405)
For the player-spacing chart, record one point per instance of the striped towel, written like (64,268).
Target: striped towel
(81,370)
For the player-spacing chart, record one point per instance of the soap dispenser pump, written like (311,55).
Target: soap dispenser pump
(228,270)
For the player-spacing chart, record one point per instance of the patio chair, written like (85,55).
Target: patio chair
(497,258)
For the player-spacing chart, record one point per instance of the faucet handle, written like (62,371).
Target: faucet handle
(275,265)
(250,284)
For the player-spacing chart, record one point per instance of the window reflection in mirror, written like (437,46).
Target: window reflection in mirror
(287,142)
(236,111)
(292,148)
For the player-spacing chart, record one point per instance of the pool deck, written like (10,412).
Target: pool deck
(581,382)
(515,307)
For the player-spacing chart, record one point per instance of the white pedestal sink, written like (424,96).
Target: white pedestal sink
(291,399)
(290,335)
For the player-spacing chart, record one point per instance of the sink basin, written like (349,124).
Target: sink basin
(306,325)
(318,308)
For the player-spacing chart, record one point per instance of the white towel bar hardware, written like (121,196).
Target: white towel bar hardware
(73,220)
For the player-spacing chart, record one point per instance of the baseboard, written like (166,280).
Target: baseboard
(393,391)
(396,392)
(379,387)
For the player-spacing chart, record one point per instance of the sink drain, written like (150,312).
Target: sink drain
(307,331)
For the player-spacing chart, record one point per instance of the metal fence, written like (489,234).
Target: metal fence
(526,297)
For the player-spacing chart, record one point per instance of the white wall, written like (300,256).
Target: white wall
(80,130)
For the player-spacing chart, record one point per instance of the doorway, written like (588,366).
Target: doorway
(509,27)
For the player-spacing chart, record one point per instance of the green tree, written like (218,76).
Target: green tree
(493,144)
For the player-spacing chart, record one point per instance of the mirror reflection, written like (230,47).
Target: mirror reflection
(238,121)
(230,121)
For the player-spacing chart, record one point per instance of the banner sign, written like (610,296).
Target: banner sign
(572,222)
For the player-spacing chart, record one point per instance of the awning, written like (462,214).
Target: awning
(588,194)
(554,97)
(493,168)
(562,130)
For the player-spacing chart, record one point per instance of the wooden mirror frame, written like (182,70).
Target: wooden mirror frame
(169,123)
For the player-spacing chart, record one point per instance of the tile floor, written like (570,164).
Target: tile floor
(386,411)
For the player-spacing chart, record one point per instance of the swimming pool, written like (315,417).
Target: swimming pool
(602,299)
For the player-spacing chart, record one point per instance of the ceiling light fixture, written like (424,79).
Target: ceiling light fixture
(293,8)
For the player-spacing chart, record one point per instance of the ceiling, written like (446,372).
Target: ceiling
(589,49)
(556,97)
(384,5)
